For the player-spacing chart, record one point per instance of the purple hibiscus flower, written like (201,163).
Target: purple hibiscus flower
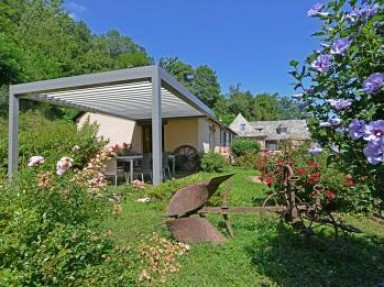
(340,46)
(354,16)
(373,83)
(374,153)
(334,121)
(363,14)
(322,63)
(340,104)
(297,96)
(315,149)
(367,13)
(317,10)
(374,132)
(325,124)
(356,129)
(302,106)
(310,91)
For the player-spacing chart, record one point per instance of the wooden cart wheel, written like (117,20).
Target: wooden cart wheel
(186,158)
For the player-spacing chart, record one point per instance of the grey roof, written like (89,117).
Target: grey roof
(295,129)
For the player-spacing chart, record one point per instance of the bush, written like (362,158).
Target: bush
(166,189)
(248,159)
(212,162)
(241,146)
(51,139)
(51,236)
(317,176)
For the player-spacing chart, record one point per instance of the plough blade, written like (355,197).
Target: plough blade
(189,199)
(195,230)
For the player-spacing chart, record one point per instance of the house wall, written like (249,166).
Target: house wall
(116,130)
(209,137)
(201,133)
(179,132)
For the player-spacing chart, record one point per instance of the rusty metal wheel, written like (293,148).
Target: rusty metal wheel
(186,158)
(272,200)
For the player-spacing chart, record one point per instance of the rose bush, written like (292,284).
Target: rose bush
(341,85)
(316,178)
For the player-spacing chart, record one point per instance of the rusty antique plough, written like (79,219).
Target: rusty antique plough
(188,209)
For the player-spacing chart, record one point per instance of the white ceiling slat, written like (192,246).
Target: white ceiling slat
(131,99)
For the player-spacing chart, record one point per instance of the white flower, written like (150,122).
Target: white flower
(63,165)
(35,160)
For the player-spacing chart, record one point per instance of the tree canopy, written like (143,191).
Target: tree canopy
(39,40)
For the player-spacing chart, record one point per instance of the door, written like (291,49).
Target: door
(147,138)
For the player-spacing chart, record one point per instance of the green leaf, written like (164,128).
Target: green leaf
(293,63)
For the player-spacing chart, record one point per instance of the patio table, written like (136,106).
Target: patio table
(132,158)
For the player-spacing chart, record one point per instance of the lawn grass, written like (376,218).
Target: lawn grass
(263,252)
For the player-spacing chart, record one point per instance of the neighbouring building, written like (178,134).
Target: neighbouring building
(270,133)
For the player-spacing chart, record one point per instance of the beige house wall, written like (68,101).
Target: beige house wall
(115,130)
(179,132)
(201,133)
(209,136)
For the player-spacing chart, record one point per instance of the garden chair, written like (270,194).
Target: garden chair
(145,169)
(111,170)
(166,167)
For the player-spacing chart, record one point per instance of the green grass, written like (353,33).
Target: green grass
(263,252)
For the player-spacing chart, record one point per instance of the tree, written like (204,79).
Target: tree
(240,102)
(265,107)
(287,109)
(206,86)
(222,112)
(182,72)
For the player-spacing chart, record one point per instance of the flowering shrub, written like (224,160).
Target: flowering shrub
(315,179)
(341,85)
(51,236)
(51,140)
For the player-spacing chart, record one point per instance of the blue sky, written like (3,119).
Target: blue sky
(245,41)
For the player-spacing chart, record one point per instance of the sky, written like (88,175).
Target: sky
(246,42)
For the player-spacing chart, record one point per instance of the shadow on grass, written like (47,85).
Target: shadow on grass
(289,259)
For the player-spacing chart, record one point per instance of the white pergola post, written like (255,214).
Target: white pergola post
(13,140)
(157,141)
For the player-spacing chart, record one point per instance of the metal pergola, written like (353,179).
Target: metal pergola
(143,93)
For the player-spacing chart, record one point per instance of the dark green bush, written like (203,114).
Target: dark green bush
(240,146)
(50,139)
(212,162)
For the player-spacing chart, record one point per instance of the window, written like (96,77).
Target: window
(225,138)
(271,145)
(242,127)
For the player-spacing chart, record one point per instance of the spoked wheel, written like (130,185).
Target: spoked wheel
(271,201)
(186,158)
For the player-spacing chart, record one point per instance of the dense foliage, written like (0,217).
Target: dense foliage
(50,139)
(39,40)
(51,236)
(241,146)
(212,162)
(342,86)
